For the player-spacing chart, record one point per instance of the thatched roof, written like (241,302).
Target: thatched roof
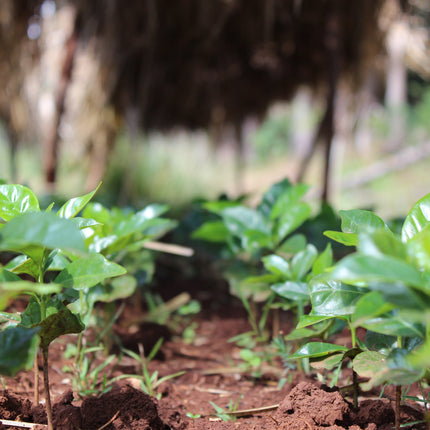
(183,62)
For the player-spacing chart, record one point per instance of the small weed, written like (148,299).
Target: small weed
(148,382)
(225,414)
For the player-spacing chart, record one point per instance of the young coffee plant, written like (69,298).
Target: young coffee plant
(50,251)
(64,263)
(248,234)
(383,287)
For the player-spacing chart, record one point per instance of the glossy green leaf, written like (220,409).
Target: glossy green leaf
(323,261)
(370,305)
(333,298)
(255,240)
(308,320)
(395,326)
(16,200)
(219,206)
(382,343)
(88,271)
(418,248)
(293,244)
(300,334)
(347,239)
(291,220)
(358,268)
(381,242)
(118,288)
(401,295)
(18,347)
(318,349)
(302,262)
(21,287)
(239,219)
(356,220)
(97,212)
(212,231)
(327,362)
(277,265)
(23,265)
(296,291)
(288,199)
(417,219)
(420,358)
(271,196)
(73,206)
(40,229)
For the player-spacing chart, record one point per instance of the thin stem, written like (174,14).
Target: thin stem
(355,389)
(46,386)
(36,379)
(397,411)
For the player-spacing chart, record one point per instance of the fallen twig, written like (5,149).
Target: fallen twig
(109,422)
(169,248)
(20,424)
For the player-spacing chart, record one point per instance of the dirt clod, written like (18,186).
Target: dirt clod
(136,409)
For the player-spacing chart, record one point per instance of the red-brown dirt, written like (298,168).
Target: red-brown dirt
(213,373)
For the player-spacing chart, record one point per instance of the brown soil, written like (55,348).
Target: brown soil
(213,373)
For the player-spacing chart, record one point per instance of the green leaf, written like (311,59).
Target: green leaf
(323,261)
(213,231)
(277,265)
(97,212)
(333,298)
(327,362)
(382,343)
(347,239)
(239,219)
(369,363)
(371,305)
(41,230)
(357,220)
(15,200)
(295,291)
(21,264)
(271,196)
(357,268)
(255,240)
(19,287)
(291,220)
(293,245)
(402,296)
(381,242)
(57,324)
(18,347)
(420,358)
(394,369)
(395,326)
(72,207)
(288,199)
(419,248)
(417,219)
(308,320)
(302,262)
(318,349)
(87,272)
(118,288)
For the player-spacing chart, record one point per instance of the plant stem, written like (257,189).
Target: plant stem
(397,411)
(36,380)
(46,386)
(355,389)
